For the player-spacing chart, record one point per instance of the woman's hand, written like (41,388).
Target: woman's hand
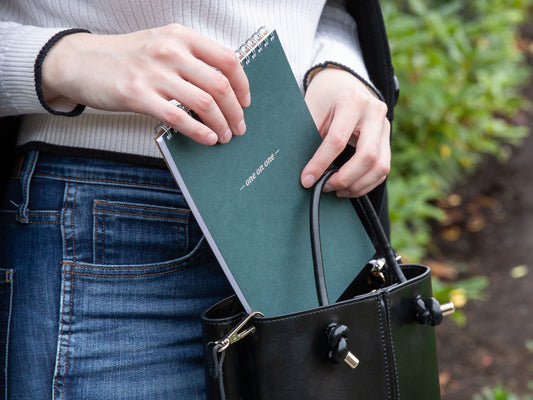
(141,71)
(346,112)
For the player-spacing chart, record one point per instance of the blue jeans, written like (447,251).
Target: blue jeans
(103,275)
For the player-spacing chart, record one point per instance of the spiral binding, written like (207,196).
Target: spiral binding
(255,44)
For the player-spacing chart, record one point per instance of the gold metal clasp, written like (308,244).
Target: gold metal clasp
(237,333)
(351,360)
(377,269)
(447,308)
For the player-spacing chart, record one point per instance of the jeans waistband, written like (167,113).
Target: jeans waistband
(97,171)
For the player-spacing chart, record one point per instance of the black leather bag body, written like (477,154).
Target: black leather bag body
(378,343)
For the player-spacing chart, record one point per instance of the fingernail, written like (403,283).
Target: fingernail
(328,188)
(241,128)
(227,136)
(211,139)
(247,100)
(308,181)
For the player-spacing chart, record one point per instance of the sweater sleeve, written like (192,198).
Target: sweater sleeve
(337,42)
(20,47)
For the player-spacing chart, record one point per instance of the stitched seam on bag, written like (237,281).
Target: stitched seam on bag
(229,321)
(318,311)
(412,282)
(384,344)
(391,341)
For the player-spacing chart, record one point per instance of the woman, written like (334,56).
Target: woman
(106,270)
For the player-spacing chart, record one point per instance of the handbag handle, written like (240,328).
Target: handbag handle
(381,242)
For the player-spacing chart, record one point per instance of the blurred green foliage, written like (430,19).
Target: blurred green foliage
(460,73)
(468,289)
(499,393)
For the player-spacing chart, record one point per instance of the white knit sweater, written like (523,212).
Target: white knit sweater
(312,32)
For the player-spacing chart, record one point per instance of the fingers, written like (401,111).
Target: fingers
(227,62)
(370,164)
(209,93)
(174,116)
(213,84)
(360,120)
(140,71)
(367,169)
(338,134)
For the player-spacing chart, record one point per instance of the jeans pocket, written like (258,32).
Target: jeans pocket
(132,331)
(131,233)
(6,297)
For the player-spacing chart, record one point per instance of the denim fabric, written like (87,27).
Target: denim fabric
(104,275)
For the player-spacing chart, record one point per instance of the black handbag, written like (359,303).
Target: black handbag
(377,342)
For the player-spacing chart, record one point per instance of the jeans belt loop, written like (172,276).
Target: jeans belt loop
(25,179)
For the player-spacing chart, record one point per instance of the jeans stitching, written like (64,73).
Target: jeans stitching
(35,222)
(8,330)
(184,263)
(57,374)
(67,354)
(103,240)
(72,222)
(142,207)
(67,359)
(63,216)
(142,215)
(61,319)
(130,276)
(95,180)
(67,290)
(178,217)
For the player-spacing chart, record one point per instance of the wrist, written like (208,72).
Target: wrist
(328,66)
(52,70)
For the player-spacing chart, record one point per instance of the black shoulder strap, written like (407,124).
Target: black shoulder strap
(375,47)
(376,54)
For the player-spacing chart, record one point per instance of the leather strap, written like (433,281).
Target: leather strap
(380,241)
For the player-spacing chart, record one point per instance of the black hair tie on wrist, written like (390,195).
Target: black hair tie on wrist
(38,73)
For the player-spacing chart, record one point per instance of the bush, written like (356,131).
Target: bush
(460,73)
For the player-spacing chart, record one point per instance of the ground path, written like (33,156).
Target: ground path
(493,346)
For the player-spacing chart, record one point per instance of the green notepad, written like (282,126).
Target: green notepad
(246,194)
